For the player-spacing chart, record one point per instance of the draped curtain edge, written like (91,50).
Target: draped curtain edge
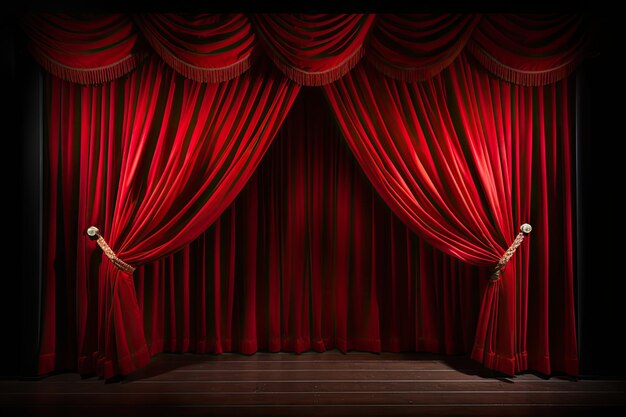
(219,74)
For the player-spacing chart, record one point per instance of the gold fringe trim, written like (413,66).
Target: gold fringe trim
(316,79)
(192,72)
(516,76)
(86,76)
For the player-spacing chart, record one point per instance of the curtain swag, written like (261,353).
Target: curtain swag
(310,49)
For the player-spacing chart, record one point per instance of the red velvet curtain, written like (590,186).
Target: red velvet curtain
(456,157)
(313,49)
(202,47)
(157,159)
(134,157)
(90,48)
(531,49)
(415,47)
(307,257)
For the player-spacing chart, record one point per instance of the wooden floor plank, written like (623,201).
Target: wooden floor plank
(325,365)
(316,375)
(512,410)
(485,385)
(341,398)
(331,384)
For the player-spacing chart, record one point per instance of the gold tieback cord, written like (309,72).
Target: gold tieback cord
(525,229)
(94,233)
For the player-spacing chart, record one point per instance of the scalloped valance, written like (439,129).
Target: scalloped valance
(310,49)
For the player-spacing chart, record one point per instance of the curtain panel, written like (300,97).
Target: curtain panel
(457,158)
(146,152)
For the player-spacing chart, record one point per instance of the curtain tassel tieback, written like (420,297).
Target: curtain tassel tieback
(525,229)
(94,234)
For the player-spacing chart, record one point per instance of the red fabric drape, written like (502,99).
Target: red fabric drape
(313,49)
(157,158)
(86,48)
(132,146)
(201,47)
(415,47)
(530,49)
(453,157)
(307,257)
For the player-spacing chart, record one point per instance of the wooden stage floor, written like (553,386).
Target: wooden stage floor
(313,384)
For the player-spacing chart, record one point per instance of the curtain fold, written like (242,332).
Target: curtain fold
(531,49)
(201,47)
(453,157)
(83,48)
(313,49)
(415,47)
(160,157)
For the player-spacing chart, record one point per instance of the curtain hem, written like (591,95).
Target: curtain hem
(87,75)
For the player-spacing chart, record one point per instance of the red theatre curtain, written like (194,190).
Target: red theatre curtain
(309,257)
(121,146)
(463,159)
(156,159)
